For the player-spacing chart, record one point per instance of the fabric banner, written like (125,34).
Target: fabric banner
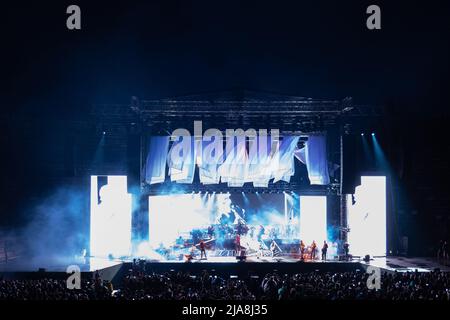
(181,160)
(155,166)
(237,161)
(316,160)
(285,168)
(208,170)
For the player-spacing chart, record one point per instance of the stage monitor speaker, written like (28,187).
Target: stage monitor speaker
(133,163)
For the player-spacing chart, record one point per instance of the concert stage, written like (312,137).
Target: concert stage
(275,198)
(225,265)
(231,265)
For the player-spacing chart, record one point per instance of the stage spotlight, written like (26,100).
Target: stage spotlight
(104,132)
(373,134)
(362,134)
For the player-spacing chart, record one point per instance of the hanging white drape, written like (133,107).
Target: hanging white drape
(212,156)
(155,165)
(181,160)
(314,156)
(237,163)
(285,168)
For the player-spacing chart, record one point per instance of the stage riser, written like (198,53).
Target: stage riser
(251,268)
(41,275)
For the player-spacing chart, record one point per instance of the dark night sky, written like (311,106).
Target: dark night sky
(157,50)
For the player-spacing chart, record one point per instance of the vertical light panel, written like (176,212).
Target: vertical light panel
(110,232)
(367,217)
(313,219)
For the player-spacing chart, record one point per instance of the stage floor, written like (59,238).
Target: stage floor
(398,264)
(405,264)
(393,264)
(59,264)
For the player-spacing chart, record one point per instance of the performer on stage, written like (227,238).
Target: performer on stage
(189,257)
(237,242)
(346,250)
(259,253)
(273,246)
(313,250)
(202,250)
(324,250)
(302,249)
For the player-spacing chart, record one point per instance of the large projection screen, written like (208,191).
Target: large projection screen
(110,229)
(367,217)
(313,219)
(173,215)
(178,215)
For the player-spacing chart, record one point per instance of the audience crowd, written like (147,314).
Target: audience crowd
(139,284)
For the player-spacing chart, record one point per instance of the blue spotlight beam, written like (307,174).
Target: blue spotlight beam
(368,155)
(380,157)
